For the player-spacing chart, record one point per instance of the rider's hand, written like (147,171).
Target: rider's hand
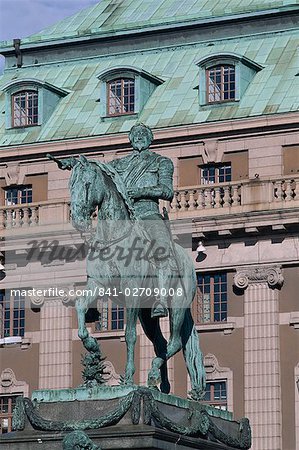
(134,193)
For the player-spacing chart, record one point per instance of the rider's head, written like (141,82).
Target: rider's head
(140,137)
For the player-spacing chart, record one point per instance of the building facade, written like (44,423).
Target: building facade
(218,84)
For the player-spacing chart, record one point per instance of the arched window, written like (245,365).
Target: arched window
(24,108)
(121,96)
(221,83)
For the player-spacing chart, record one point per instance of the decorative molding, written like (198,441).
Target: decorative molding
(294,319)
(14,174)
(214,372)
(210,150)
(227,327)
(10,385)
(272,275)
(37,300)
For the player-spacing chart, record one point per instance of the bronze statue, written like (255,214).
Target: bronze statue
(151,283)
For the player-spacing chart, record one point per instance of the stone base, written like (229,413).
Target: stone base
(122,417)
(137,437)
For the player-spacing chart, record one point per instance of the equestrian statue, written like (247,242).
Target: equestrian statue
(132,256)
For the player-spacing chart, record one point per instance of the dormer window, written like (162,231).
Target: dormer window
(221,83)
(124,91)
(121,96)
(224,78)
(30,102)
(24,109)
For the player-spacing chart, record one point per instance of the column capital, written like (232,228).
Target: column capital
(272,275)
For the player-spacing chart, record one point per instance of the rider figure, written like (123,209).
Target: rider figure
(148,178)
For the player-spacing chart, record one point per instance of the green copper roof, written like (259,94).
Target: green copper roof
(123,15)
(274,89)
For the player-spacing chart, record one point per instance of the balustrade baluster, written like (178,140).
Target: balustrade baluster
(200,199)
(235,195)
(184,202)
(176,201)
(296,189)
(217,197)
(34,216)
(192,204)
(25,221)
(9,217)
(226,197)
(278,192)
(208,198)
(18,217)
(288,191)
(2,219)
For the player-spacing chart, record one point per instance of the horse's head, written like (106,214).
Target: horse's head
(86,194)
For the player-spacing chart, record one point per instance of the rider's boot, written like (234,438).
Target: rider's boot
(160,306)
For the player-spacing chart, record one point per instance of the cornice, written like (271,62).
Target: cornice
(178,135)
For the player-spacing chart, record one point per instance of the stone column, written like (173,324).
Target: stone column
(262,353)
(55,347)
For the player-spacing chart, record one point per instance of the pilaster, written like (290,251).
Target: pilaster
(262,353)
(55,348)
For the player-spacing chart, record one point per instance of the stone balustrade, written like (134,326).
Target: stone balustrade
(207,200)
(34,214)
(243,196)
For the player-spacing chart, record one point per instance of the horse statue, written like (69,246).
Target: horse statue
(95,189)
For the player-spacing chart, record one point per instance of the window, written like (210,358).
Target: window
(216,173)
(211,304)
(221,84)
(121,96)
(30,102)
(13,314)
(7,404)
(112,317)
(216,394)
(25,109)
(18,195)
(124,91)
(224,78)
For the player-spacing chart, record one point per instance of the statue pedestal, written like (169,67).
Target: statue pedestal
(120,418)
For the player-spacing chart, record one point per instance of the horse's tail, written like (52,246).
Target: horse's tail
(193,357)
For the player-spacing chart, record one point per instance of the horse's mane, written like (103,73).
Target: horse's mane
(114,177)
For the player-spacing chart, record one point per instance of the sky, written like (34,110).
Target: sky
(20,18)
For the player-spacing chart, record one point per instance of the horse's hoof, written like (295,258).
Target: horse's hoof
(154,378)
(165,388)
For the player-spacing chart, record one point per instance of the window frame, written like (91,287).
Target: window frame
(199,303)
(217,167)
(245,71)
(122,79)
(20,188)
(144,85)
(13,116)
(13,315)
(9,414)
(107,310)
(219,404)
(222,68)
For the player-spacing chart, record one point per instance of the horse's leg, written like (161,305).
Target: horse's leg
(174,345)
(193,357)
(151,327)
(130,337)
(82,304)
